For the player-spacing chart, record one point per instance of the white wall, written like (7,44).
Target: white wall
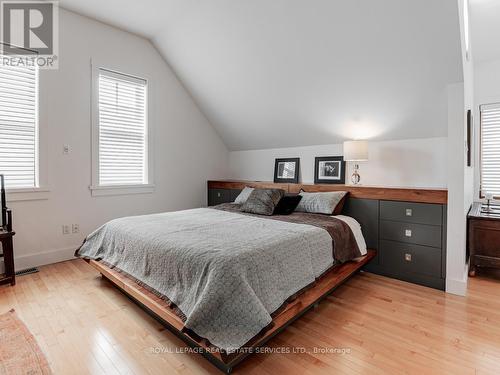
(460,177)
(487,82)
(187,149)
(408,163)
(456,273)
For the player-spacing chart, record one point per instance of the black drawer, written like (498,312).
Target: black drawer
(404,259)
(419,234)
(419,213)
(218,196)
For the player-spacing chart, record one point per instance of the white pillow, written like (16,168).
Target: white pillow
(320,203)
(243,196)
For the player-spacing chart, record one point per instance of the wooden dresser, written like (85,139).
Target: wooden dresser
(483,237)
(407,227)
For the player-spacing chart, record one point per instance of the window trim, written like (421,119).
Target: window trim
(106,190)
(41,190)
(27,194)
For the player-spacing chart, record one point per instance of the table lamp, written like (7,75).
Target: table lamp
(356,151)
(489,197)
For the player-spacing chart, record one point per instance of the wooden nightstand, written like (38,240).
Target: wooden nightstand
(8,256)
(484,237)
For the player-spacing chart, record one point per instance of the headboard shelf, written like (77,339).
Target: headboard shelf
(417,195)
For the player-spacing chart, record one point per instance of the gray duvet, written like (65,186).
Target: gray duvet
(225,271)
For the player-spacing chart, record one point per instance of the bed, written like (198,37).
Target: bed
(224,280)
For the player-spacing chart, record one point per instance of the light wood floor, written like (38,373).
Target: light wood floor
(386,326)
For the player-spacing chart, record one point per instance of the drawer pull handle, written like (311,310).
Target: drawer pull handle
(409,212)
(408,257)
(408,232)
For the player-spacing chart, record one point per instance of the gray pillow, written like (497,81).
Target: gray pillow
(320,203)
(243,196)
(263,201)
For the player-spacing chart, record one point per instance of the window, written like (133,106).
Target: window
(490,149)
(19,126)
(122,130)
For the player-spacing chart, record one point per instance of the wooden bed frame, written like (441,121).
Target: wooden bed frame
(161,311)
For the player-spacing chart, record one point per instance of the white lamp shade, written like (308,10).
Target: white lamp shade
(356,150)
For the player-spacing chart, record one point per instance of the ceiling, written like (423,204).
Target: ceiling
(485,29)
(287,73)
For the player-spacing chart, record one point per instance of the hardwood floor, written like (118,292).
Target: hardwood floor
(383,326)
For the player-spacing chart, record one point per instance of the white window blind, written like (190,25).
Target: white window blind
(490,149)
(19,126)
(122,119)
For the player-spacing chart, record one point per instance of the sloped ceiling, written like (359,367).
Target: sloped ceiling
(485,29)
(282,73)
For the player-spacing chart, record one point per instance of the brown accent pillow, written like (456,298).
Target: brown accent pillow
(340,205)
(263,201)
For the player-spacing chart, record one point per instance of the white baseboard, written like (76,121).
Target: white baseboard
(457,287)
(34,260)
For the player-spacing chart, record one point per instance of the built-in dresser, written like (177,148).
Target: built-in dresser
(407,227)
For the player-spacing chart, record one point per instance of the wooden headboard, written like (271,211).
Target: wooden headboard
(417,195)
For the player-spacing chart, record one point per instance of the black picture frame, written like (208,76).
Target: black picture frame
(470,122)
(278,163)
(319,178)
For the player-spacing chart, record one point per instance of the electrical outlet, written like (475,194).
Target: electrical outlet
(66,149)
(75,228)
(65,229)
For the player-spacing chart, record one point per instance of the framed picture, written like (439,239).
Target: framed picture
(470,126)
(287,170)
(329,170)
